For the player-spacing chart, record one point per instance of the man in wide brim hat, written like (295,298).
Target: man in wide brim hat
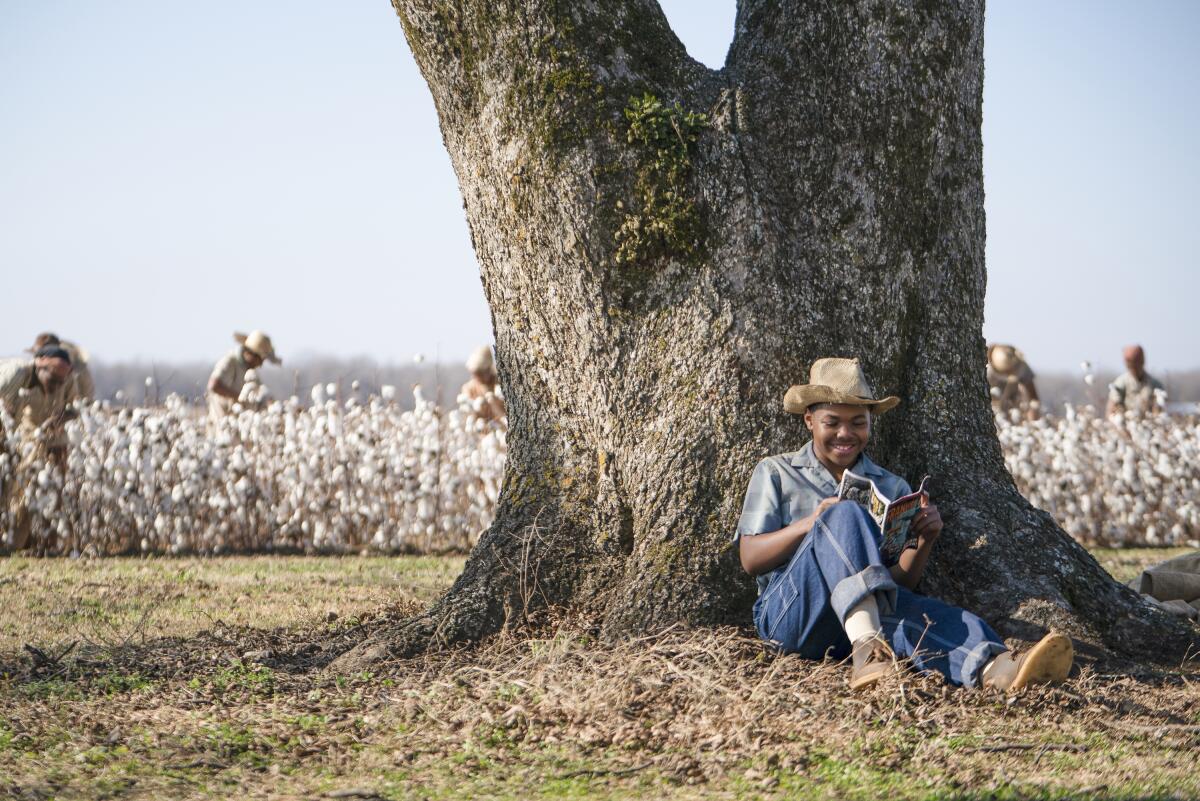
(229,376)
(831,585)
(833,380)
(81,386)
(482,390)
(1010,381)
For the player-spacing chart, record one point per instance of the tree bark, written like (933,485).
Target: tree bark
(666,248)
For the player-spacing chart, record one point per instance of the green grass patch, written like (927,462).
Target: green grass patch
(238,676)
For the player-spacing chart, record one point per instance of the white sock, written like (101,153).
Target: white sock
(1000,671)
(863,620)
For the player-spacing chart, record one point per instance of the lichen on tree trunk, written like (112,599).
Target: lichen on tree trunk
(665,248)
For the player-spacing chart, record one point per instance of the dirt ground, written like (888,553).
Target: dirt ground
(193,678)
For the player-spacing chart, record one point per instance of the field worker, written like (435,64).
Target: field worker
(1134,390)
(1011,381)
(824,589)
(82,387)
(229,376)
(482,389)
(36,393)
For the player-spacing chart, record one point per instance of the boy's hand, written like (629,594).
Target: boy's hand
(804,525)
(928,522)
(823,505)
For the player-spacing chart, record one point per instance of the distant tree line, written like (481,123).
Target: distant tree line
(189,379)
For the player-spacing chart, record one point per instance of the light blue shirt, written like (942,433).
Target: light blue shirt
(787,487)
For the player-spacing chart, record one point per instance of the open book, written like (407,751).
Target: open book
(892,515)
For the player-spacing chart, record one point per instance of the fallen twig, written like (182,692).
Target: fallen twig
(43,660)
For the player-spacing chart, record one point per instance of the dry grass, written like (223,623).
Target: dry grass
(555,713)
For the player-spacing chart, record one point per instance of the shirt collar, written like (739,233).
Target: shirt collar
(804,459)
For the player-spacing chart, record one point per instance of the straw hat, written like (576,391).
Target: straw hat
(835,381)
(1004,358)
(260,344)
(481,360)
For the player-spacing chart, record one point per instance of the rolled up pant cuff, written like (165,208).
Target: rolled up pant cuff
(872,580)
(977,660)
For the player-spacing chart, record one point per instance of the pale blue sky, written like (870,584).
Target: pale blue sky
(171,172)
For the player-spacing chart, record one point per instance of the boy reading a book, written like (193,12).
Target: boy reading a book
(824,588)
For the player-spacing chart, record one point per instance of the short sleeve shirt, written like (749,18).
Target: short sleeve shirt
(1012,385)
(787,487)
(1133,395)
(231,372)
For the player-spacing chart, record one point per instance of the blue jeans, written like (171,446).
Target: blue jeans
(838,565)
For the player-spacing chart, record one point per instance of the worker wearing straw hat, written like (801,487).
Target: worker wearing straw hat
(1010,381)
(825,588)
(34,397)
(229,376)
(482,390)
(80,387)
(36,393)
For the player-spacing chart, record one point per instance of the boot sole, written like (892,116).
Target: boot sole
(1048,662)
(870,678)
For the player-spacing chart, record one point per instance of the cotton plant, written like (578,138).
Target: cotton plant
(339,477)
(1121,480)
(365,476)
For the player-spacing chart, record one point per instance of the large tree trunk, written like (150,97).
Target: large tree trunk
(666,248)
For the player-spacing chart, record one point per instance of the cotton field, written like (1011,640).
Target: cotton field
(353,476)
(1122,481)
(332,477)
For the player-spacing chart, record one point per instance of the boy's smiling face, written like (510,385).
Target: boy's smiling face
(840,432)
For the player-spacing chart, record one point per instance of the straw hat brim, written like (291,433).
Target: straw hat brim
(270,357)
(801,396)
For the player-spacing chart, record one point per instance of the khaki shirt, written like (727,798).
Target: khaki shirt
(492,407)
(23,397)
(1133,395)
(789,486)
(81,386)
(231,372)
(1013,386)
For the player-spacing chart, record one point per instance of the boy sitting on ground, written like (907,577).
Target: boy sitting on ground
(824,589)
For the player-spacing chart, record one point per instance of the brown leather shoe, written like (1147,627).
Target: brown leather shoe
(872,659)
(1048,661)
